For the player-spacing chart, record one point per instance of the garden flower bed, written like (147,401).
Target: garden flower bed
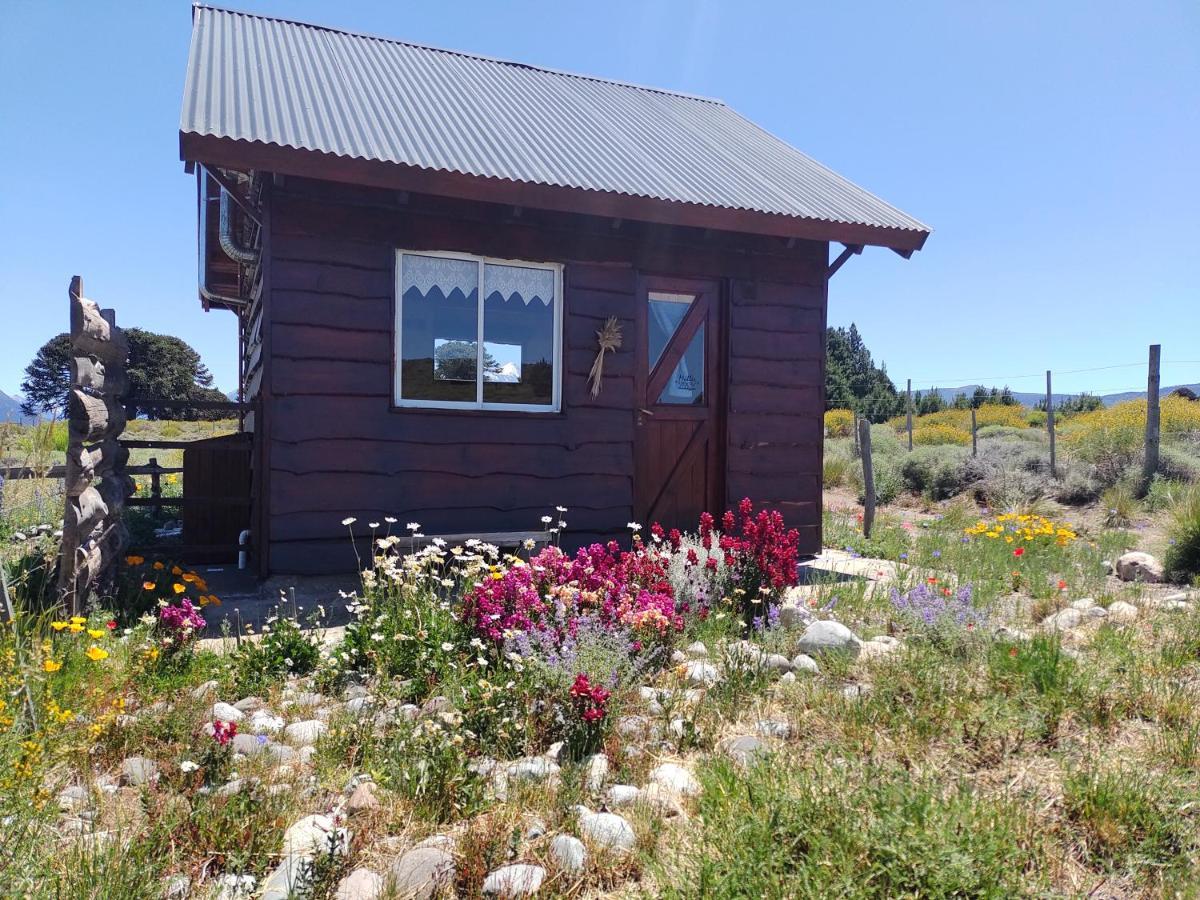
(671,715)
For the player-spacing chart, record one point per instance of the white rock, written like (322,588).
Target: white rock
(224,712)
(676,778)
(744,749)
(1083,604)
(262,722)
(138,771)
(702,674)
(876,648)
(569,854)
(622,795)
(421,872)
(773,728)
(1120,611)
(697,650)
(532,768)
(1062,620)
(315,835)
(291,878)
(1011,635)
(231,886)
(306,732)
(597,770)
(1139,566)
(607,830)
(207,690)
(177,887)
(826,636)
(803,663)
(787,678)
(516,880)
(358,707)
(777,662)
(361,884)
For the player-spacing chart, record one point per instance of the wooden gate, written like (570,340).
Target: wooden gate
(216,508)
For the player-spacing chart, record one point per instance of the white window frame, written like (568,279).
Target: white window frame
(398,398)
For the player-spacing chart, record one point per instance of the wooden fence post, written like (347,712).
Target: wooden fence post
(1153,420)
(857,445)
(864,432)
(974,434)
(155,479)
(93,536)
(908,408)
(1050,425)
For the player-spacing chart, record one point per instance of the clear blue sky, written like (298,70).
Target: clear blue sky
(1054,147)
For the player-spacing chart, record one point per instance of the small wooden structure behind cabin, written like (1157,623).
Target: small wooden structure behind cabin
(421,247)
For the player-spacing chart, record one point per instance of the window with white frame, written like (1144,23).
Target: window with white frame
(477,333)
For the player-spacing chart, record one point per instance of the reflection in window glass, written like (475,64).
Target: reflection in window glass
(438,328)
(455,352)
(518,334)
(686,384)
(666,311)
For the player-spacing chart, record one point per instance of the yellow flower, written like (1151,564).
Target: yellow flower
(147,585)
(178,588)
(189,577)
(214,600)
(158,566)
(51,666)
(95,654)
(133,560)
(97,633)
(78,620)
(58,626)
(175,570)
(75,628)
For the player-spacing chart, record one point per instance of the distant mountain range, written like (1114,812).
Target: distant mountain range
(10,409)
(1029,398)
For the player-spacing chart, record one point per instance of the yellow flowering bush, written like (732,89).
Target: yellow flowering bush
(839,423)
(1120,430)
(960,419)
(1033,530)
(925,435)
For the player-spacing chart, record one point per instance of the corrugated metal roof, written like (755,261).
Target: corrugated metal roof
(270,81)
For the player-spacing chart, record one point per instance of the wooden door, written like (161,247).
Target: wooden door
(679,464)
(216,494)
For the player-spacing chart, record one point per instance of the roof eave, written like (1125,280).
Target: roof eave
(243,155)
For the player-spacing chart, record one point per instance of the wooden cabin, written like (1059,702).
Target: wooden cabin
(422,246)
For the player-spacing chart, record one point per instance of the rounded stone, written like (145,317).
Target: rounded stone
(1122,612)
(1139,566)
(306,732)
(744,749)
(702,674)
(622,795)
(608,830)
(569,854)
(224,712)
(361,884)
(421,872)
(516,880)
(138,771)
(828,636)
(676,778)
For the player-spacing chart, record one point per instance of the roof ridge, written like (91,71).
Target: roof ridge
(463,53)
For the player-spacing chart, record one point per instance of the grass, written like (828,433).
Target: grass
(963,764)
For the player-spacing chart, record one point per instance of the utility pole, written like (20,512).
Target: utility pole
(1153,418)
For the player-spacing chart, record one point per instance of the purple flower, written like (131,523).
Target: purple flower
(937,554)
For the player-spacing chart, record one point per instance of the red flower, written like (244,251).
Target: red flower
(1020,551)
(224,732)
(931,580)
(1012,651)
(112,624)
(1062,585)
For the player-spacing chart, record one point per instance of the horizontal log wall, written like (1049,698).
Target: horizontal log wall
(777,400)
(337,448)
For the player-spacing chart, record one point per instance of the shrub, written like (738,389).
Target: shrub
(934,433)
(936,472)
(1118,432)
(1178,464)
(835,467)
(1182,560)
(284,649)
(1120,504)
(839,423)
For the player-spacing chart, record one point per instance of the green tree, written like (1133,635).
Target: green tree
(852,380)
(160,367)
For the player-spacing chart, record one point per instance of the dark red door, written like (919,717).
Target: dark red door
(678,458)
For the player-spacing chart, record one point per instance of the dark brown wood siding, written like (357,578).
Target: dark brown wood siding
(338,448)
(777,400)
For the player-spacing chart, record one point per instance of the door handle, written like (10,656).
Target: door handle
(646,412)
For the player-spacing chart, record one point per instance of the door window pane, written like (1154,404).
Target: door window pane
(438,326)
(518,334)
(665,313)
(686,384)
